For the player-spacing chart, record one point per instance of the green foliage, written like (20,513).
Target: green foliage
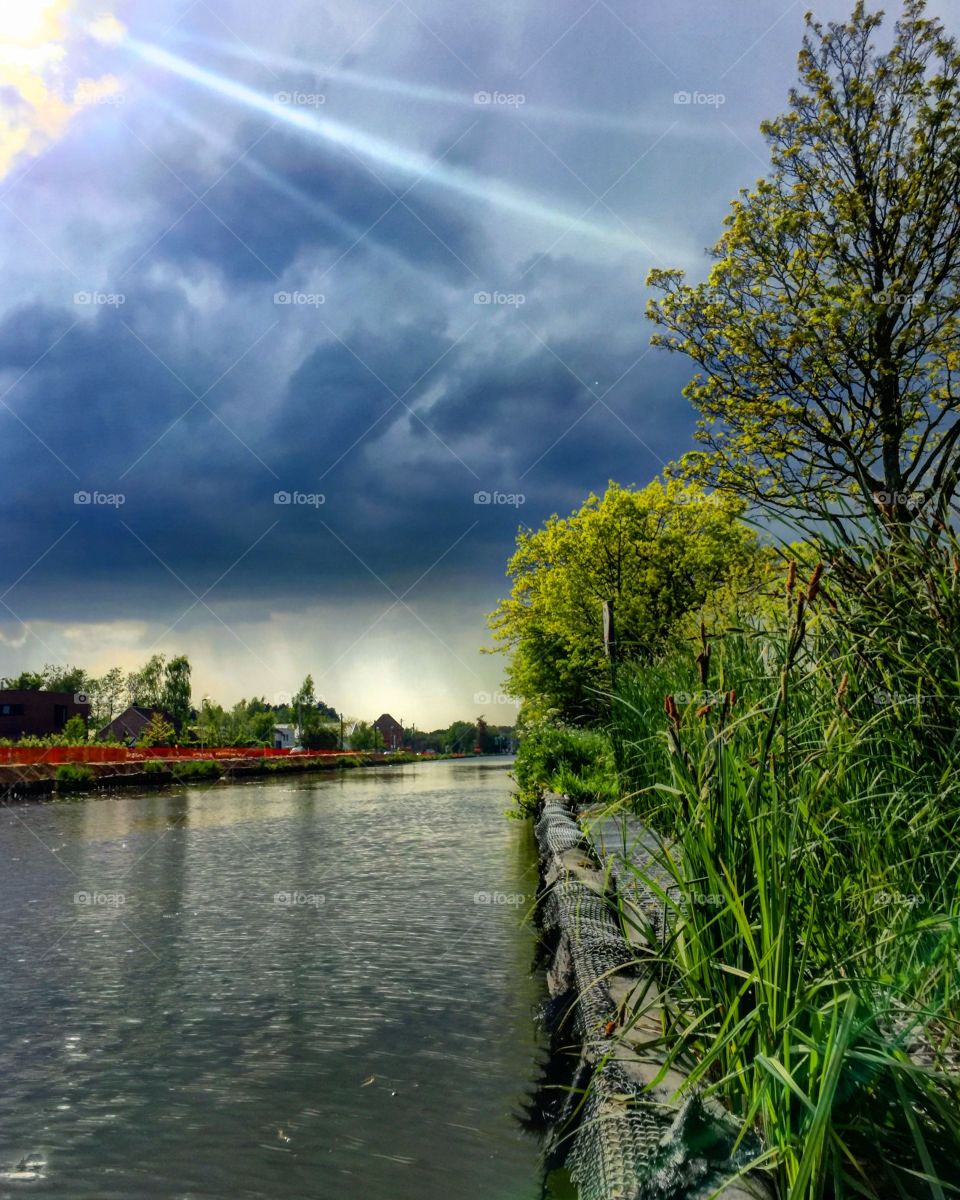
(74,733)
(155,770)
(460,738)
(366,736)
(811,830)
(157,732)
(655,553)
(318,735)
(826,337)
(72,778)
(551,758)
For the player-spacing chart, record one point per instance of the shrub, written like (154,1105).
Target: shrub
(71,778)
(553,757)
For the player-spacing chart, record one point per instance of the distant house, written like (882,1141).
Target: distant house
(26,713)
(390,730)
(284,737)
(131,723)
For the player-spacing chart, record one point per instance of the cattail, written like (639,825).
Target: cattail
(732,697)
(955,562)
(704,709)
(673,713)
(703,664)
(842,689)
(791,576)
(814,586)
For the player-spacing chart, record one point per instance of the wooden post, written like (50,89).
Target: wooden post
(610,641)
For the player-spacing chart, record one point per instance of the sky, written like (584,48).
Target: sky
(306,307)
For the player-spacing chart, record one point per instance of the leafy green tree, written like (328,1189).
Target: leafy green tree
(320,734)
(74,733)
(656,554)
(826,336)
(145,687)
(175,695)
(460,738)
(260,724)
(157,732)
(26,681)
(366,737)
(106,696)
(52,678)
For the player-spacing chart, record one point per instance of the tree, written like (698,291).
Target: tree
(175,696)
(51,678)
(654,553)
(157,732)
(460,738)
(106,695)
(74,732)
(826,335)
(145,687)
(366,737)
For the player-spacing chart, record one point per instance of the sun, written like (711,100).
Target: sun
(30,22)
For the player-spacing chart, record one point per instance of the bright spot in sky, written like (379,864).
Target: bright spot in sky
(30,22)
(41,93)
(107,29)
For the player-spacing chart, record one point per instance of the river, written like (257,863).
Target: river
(307,987)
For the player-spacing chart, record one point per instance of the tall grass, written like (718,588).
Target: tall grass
(803,780)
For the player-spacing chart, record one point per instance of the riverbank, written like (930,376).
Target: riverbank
(44,779)
(621,1115)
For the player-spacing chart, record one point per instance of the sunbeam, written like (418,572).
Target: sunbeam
(306,201)
(429,94)
(377,150)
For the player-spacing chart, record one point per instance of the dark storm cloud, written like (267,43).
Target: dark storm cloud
(395,393)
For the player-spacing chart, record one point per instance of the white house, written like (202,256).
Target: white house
(284,737)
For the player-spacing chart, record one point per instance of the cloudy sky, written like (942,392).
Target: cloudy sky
(380,259)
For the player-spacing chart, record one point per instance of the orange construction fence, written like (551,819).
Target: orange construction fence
(33,755)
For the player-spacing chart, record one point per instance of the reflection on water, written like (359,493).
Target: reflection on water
(295,988)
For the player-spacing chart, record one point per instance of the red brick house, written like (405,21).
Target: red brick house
(28,713)
(391,731)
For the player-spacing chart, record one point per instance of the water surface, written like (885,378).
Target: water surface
(293,988)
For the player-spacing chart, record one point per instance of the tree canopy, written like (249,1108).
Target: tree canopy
(655,553)
(826,336)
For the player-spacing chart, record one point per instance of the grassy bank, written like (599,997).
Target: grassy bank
(800,770)
(79,778)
